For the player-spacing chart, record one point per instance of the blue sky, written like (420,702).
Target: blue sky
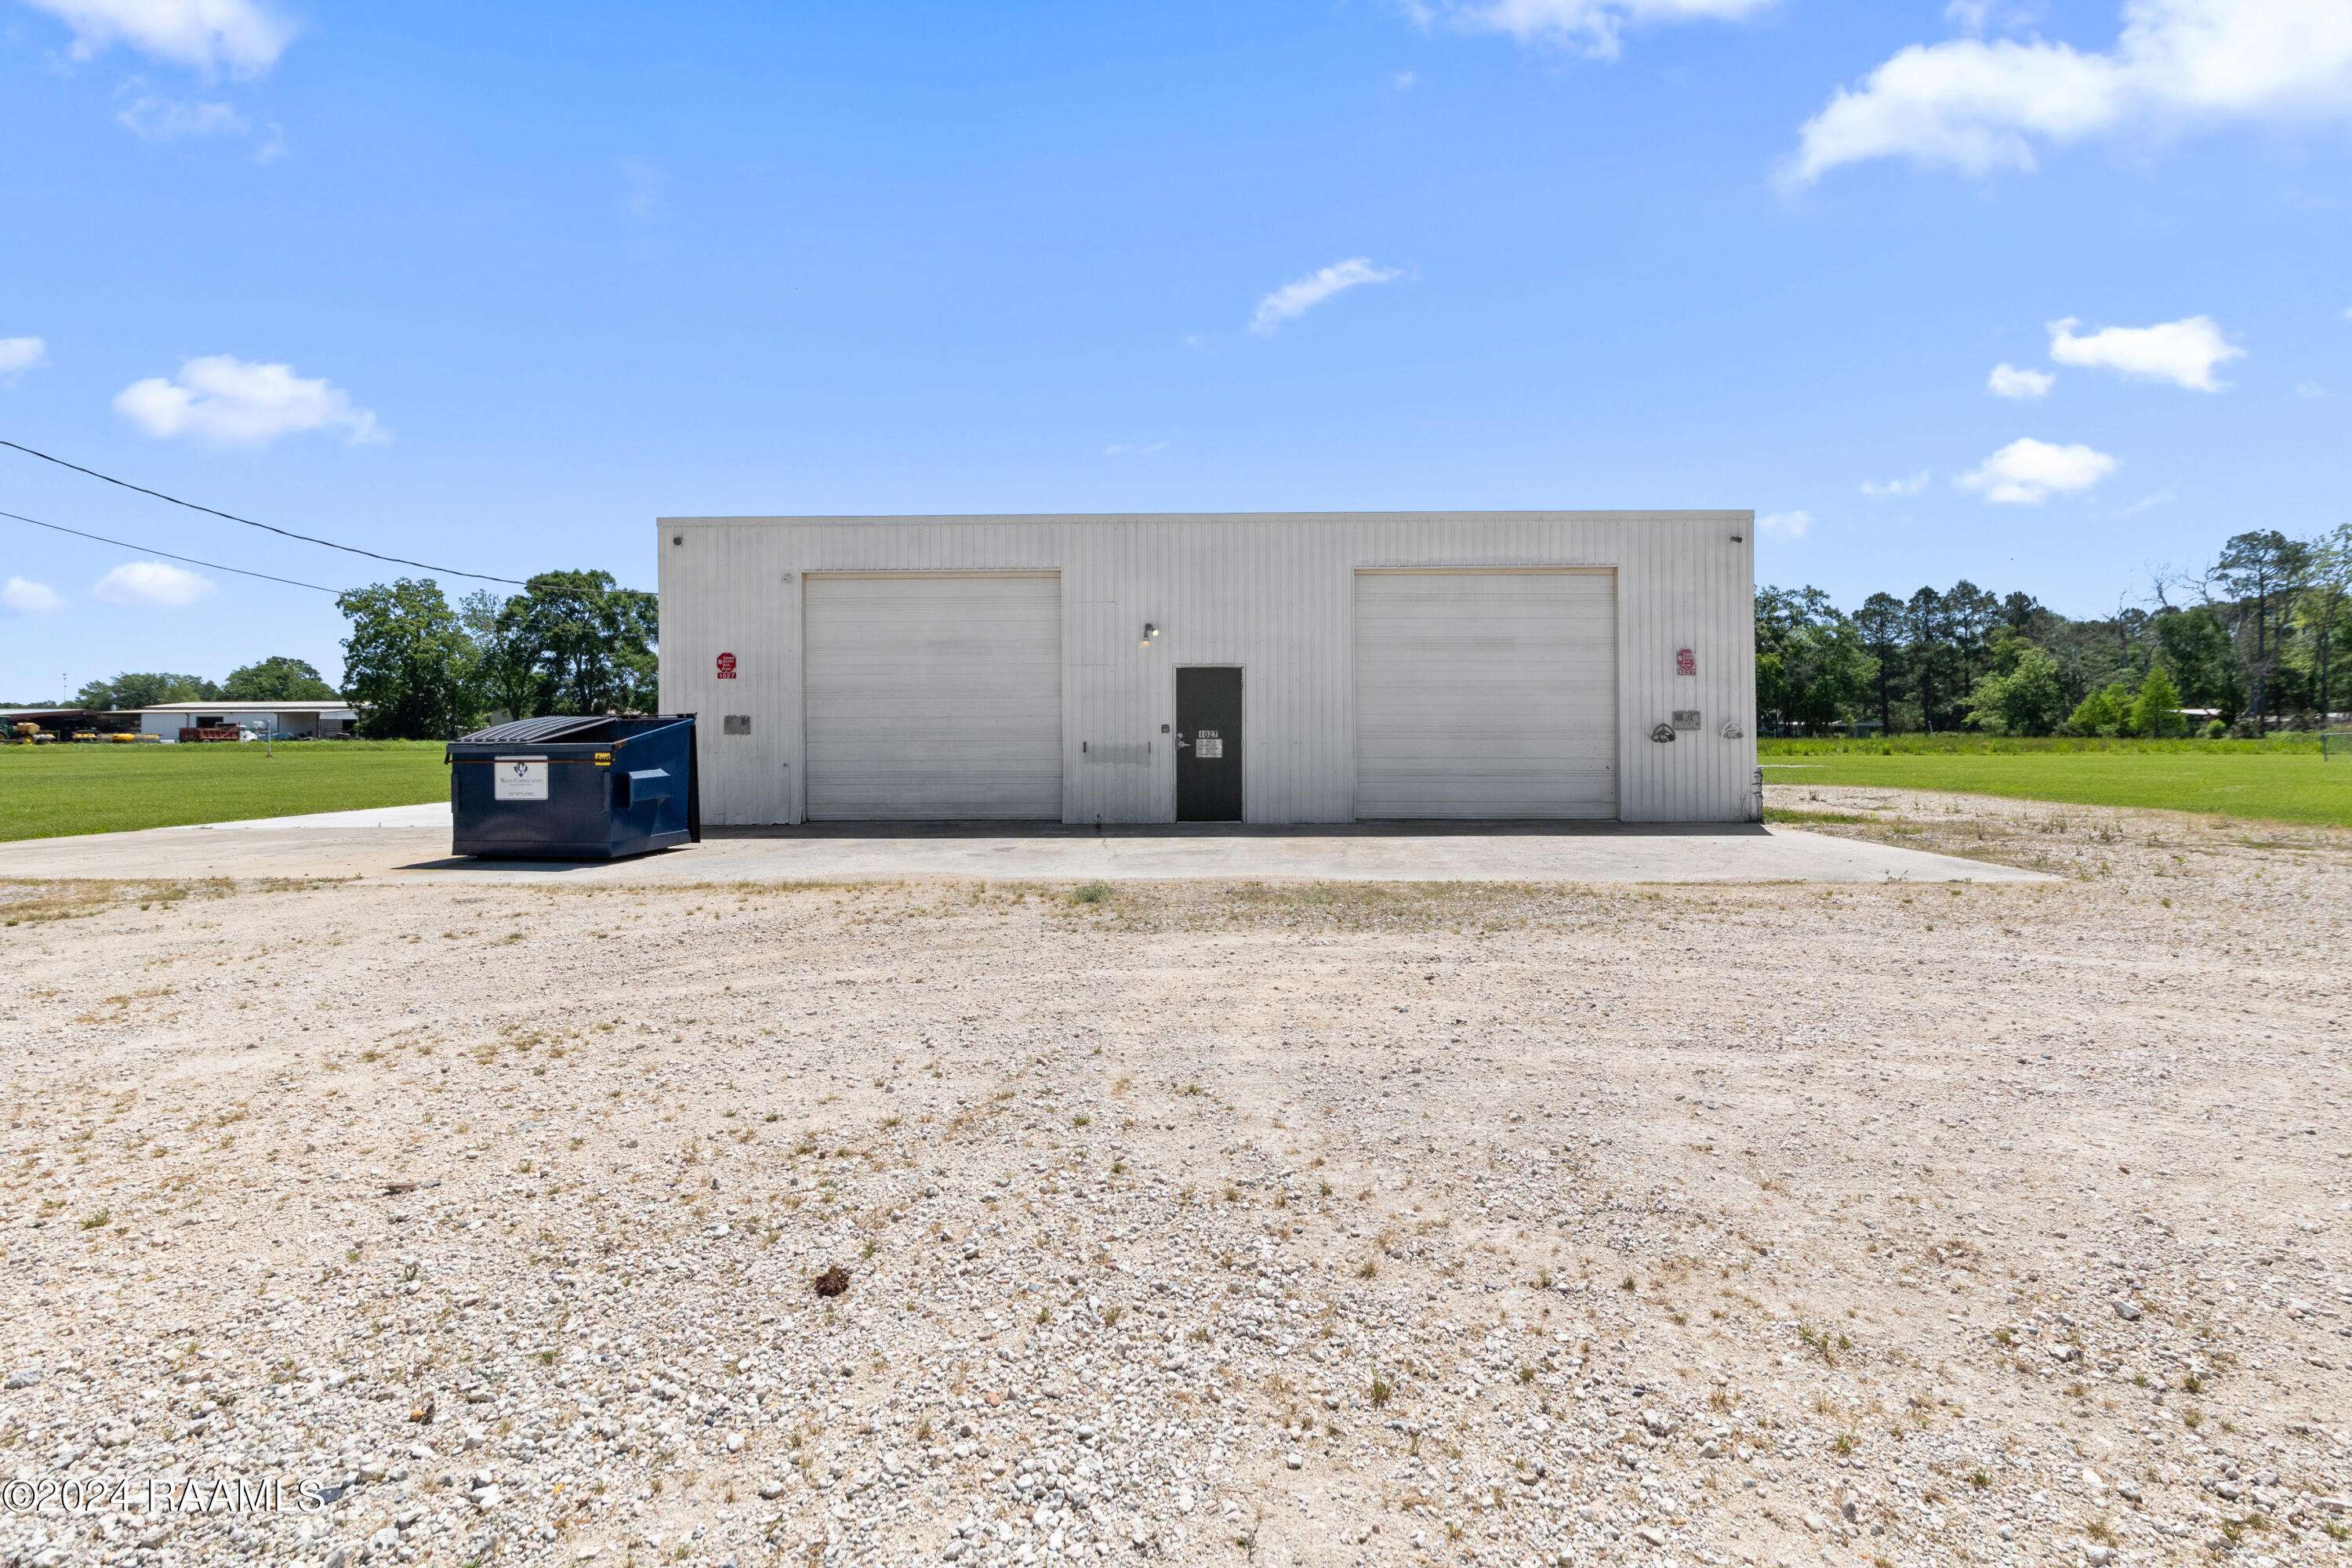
(495,286)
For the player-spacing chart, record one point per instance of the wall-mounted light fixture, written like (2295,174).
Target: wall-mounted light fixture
(1150,633)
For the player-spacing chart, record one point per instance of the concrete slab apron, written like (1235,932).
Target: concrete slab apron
(412,844)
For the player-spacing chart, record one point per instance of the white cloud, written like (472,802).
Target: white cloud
(2183,352)
(2309,389)
(2028,472)
(1404,81)
(1884,489)
(2178,65)
(1786,524)
(1592,27)
(240,36)
(1134,448)
(152,582)
(1296,297)
(22,596)
(1966,103)
(1977,18)
(18,355)
(2149,502)
(153,118)
(2008,381)
(225,399)
(644,189)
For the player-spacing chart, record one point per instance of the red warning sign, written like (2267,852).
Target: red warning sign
(726,666)
(1685,662)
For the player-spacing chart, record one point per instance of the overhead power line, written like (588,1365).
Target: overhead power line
(150,550)
(232,517)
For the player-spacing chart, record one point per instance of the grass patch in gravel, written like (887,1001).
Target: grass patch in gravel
(35,902)
(1785,814)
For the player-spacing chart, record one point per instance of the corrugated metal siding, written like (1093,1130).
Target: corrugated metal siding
(733,591)
(1274,593)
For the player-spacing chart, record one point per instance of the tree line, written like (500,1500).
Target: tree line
(420,668)
(2253,636)
(570,642)
(278,679)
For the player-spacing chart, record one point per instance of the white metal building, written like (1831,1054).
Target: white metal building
(1265,667)
(304,718)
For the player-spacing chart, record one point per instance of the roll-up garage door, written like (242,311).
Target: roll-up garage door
(1485,694)
(934,695)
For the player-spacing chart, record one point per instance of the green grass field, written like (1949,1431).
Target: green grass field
(49,791)
(2279,780)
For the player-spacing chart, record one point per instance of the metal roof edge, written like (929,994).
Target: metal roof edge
(1697,514)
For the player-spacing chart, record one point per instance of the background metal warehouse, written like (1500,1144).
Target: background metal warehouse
(1275,668)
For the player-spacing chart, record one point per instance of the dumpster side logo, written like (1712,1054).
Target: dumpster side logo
(518,778)
(726,666)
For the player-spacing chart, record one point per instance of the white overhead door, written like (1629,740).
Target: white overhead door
(1485,694)
(934,695)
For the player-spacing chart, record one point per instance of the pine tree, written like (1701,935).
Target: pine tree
(2157,711)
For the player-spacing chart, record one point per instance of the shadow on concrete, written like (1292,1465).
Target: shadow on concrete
(1146,831)
(550,867)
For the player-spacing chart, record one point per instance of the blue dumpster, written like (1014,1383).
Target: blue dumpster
(575,788)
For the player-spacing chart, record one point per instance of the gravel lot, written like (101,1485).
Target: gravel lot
(1284,1224)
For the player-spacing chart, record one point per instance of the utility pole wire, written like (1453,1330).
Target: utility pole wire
(146,550)
(267,528)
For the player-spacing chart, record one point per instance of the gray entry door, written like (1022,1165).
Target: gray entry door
(1208,743)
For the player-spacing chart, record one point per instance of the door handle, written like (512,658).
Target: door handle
(1182,743)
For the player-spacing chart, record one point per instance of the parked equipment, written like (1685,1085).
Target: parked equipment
(575,788)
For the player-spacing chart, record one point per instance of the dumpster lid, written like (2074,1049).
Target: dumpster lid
(576,728)
(551,727)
